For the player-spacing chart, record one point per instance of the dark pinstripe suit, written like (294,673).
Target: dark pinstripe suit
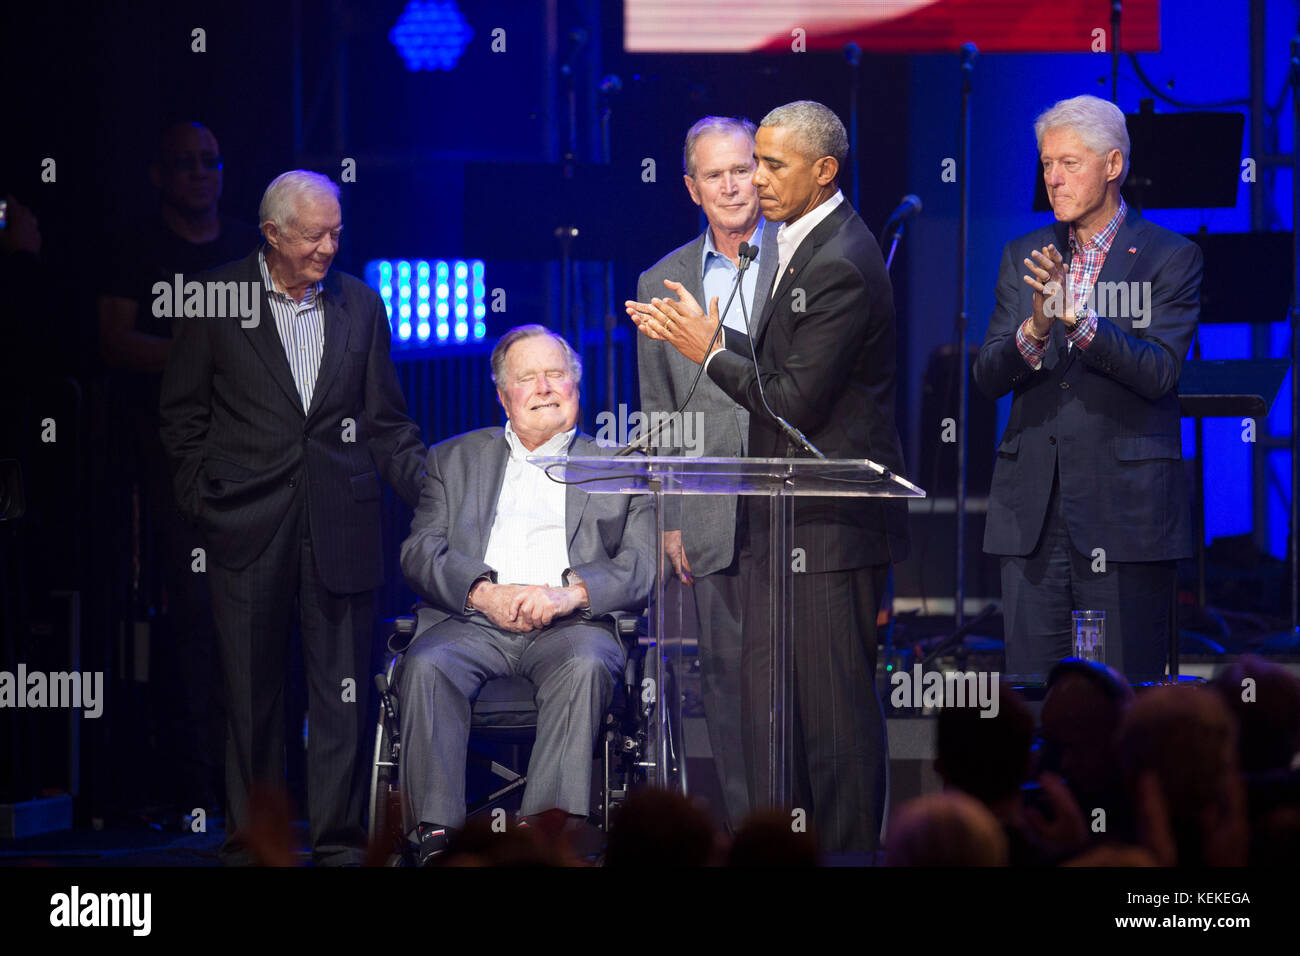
(827,358)
(289,505)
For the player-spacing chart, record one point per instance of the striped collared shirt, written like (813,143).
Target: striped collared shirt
(1086,260)
(528,543)
(302,330)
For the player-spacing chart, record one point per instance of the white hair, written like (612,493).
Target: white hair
(286,193)
(817,127)
(1099,123)
(521,332)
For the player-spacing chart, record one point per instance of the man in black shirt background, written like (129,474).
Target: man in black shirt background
(186,235)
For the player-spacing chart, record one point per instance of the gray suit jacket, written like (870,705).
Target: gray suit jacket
(707,522)
(611,537)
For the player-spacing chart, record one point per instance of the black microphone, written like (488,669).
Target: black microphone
(968,53)
(746,254)
(911,206)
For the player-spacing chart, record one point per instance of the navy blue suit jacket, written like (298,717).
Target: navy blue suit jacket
(1107,416)
(241,446)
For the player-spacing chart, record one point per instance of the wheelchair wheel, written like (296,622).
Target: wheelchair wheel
(388,844)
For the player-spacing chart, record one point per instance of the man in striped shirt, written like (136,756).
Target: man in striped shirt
(1089,507)
(275,423)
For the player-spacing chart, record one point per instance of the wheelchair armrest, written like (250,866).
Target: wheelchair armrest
(401,633)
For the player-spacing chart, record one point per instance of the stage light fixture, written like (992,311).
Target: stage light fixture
(421,290)
(431,35)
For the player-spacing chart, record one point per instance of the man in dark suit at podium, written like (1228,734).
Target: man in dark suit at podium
(825,352)
(275,419)
(1095,314)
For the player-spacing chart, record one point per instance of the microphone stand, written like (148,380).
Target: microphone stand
(968,53)
(747,255)
(1116,12)
(893,245)
(853,53)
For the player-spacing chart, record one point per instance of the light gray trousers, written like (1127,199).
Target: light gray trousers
(573,665)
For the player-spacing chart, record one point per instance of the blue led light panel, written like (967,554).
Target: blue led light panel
(431,302)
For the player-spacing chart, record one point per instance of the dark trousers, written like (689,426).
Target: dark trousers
(254,609)
(838,752)
(719,603)
(1041,589)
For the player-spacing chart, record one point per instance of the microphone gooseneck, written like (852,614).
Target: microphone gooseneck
(746,255)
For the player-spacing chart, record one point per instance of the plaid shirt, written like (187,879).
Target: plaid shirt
(1086,260)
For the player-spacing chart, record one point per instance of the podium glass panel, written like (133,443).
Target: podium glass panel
(779,479)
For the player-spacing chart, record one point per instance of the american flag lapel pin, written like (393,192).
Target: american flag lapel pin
(1132,250)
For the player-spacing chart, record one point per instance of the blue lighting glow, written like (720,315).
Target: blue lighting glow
(431,35)
(450,293)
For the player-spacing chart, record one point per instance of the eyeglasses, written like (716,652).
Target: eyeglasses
(209,162)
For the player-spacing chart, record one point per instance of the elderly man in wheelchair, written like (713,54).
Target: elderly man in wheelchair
(518,575)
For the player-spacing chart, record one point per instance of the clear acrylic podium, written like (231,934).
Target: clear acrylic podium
(780,479)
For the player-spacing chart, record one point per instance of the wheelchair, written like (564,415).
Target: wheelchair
(505,713)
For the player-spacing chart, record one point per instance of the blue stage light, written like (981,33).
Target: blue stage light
(431,35)
(423,288)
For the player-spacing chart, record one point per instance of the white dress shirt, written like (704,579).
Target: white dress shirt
(791,234)
(528,543)
(719,275)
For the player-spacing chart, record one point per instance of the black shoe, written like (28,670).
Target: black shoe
(432,840)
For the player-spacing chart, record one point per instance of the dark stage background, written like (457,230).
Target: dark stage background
(315,84)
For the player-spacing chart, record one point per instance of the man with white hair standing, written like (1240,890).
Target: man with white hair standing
(276,419)
(1095,314)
